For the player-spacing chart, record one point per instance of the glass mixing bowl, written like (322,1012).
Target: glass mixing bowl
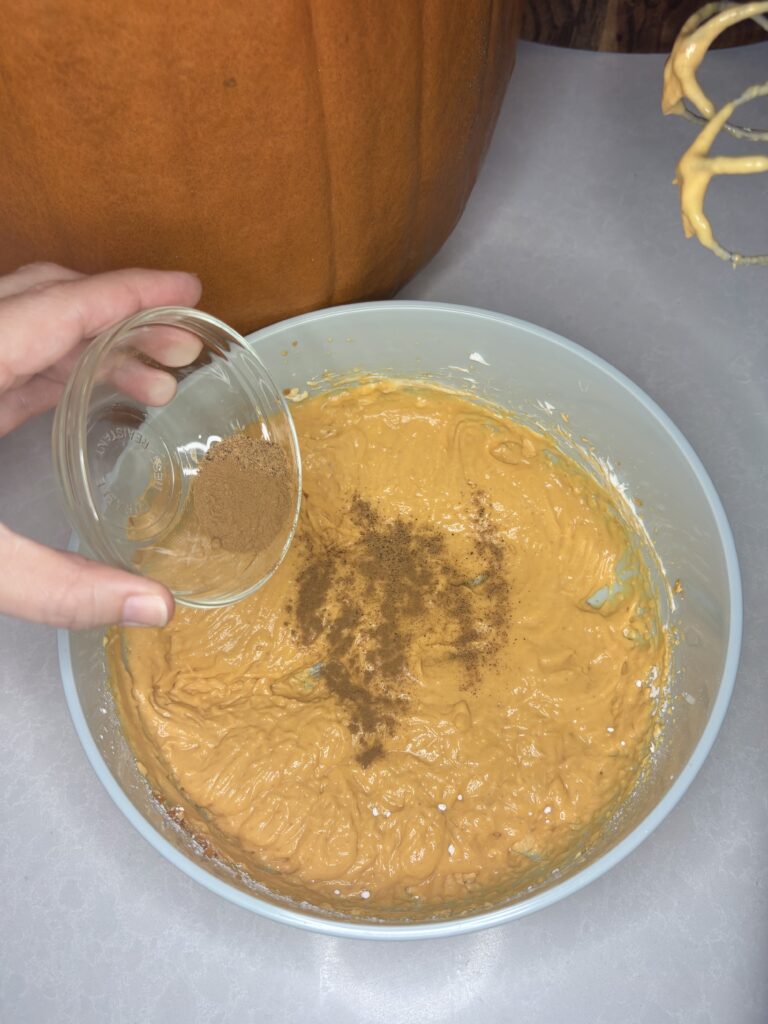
(144,404)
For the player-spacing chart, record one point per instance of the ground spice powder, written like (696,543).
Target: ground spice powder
(368,601)
(241,496)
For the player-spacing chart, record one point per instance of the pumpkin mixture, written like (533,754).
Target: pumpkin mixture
(447,687)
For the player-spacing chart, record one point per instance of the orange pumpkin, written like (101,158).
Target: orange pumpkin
(294,153)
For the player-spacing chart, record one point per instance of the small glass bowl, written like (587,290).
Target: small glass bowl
(144,403)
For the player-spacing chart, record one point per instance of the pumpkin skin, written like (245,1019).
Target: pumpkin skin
(292,154)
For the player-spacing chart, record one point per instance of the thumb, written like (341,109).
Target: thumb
(43,585)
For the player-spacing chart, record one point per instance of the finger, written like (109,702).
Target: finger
(40,326)
(34,394)
(33,276)
(19,404)
(144,383)
(136,380)
(69,591)
(170,346)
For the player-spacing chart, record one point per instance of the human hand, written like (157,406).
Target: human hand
(47,315)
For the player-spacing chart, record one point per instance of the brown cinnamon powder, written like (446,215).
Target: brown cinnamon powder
(241,496)
(368,601)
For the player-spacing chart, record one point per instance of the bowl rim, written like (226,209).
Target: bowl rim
(487,919)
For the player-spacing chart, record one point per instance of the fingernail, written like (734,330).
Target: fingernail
(144,610)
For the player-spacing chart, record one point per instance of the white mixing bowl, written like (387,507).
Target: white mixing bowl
(537,375)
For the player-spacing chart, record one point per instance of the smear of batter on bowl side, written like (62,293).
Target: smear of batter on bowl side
(444,686)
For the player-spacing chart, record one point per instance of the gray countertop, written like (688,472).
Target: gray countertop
(573,225)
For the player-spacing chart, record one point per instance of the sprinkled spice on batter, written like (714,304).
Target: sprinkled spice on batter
(368,601)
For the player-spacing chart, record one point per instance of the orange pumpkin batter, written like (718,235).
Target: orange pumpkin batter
(447,685)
